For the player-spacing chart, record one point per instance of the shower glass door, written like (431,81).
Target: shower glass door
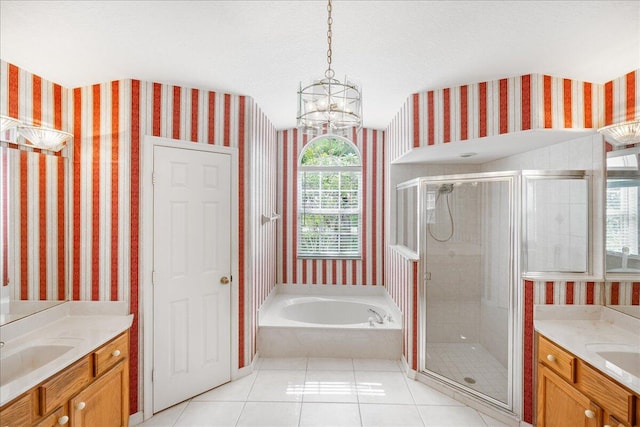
(468,236)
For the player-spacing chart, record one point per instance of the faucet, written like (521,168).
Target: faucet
(379,318)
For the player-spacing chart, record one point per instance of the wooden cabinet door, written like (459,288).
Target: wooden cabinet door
(560,405)
(105,402)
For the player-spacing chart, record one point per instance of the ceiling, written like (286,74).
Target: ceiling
(265,48)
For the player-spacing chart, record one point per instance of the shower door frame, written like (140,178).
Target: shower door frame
(515,330)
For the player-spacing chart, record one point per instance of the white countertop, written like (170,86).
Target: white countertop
(579,328)
(70,325)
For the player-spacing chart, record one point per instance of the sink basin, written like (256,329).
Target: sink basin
(625,360)
(29,359)
(617,357)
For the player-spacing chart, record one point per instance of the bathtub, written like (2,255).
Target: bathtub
(305,322)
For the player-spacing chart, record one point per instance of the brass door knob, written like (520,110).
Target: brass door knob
(224,280)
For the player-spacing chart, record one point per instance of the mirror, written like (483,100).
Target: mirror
(34,229)
(622,225)
(556,219)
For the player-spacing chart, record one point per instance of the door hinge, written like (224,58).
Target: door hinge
(153,178)
(153,277)
(153,375)
(427,276)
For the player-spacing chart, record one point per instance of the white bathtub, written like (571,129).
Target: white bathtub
(300,324)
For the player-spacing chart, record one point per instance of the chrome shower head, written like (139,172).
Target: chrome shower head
(445,189)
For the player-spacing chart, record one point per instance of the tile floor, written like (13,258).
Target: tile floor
(458,361)
(323,392)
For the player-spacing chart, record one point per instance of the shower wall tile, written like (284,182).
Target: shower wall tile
(494,326)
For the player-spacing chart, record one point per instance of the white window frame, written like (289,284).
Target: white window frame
(301,209)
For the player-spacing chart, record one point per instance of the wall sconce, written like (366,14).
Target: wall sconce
(620,134)
(7,124)
(45,138)
(35,136)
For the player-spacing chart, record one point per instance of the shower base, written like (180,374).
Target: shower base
(471,365)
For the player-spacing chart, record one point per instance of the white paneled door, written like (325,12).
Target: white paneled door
(191,278)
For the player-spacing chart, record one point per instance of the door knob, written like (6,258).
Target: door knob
(224,280)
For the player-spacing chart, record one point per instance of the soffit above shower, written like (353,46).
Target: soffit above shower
(492,147)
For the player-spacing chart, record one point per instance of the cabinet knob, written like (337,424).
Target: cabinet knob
(551,358)
(80,406)
(589,413)
(63,420)
(116,353)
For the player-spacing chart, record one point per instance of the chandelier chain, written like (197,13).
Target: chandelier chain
(327,105)
(329,73)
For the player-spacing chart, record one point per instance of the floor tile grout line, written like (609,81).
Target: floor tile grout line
(181,412)
(244,405)
(304,385)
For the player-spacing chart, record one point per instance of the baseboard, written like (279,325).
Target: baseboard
(410,373)
(135,419)
(247,370)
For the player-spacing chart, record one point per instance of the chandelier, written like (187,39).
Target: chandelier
(620,134)
(329,105)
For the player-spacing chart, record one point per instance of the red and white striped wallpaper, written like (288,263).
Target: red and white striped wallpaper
(108,122)
(401,281)
(532,101)
(365,271)
(513,104)
(262,258)
(33,202)
(36,213)
(622,99)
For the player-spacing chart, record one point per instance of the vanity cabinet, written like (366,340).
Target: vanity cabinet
(572,393)
(20,411)
(104,402)
(559,404)
(93,391)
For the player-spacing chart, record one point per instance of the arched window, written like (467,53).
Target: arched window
(329,182)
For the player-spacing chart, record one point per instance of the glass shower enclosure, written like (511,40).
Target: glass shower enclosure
(468,267)
(473,235)
(465,243)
